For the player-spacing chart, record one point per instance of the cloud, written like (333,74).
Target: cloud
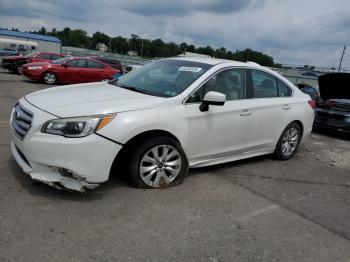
(185,7)
(63,9)
(299,32)
(223,6)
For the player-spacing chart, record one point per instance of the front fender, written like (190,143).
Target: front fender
(127,125)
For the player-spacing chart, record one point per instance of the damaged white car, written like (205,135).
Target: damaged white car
(156,122)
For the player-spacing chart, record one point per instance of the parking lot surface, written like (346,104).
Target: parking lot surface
(252,210)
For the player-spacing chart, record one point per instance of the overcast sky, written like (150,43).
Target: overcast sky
(291,31)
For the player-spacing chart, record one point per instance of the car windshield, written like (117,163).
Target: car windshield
(164,78)
(61,60)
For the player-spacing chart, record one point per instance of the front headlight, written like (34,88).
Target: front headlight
(76,127)
(35,67)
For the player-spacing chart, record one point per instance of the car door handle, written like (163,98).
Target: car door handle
(286,107)
(246,112)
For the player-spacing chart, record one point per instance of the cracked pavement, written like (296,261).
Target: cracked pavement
(257,209)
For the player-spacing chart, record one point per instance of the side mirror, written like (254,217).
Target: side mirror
(212,98)
(65,65)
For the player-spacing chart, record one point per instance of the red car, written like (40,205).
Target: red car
(14,63)
(69,70)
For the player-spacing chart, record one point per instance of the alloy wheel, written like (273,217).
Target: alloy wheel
(49,78)
(160,166)
(290,141)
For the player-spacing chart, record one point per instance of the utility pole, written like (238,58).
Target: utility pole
(110,45)
(141,47)
(341,59)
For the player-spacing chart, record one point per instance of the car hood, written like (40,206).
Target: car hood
(334,86)
(14,57)
(38,64)
(90,99)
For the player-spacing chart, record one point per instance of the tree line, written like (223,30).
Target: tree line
(150,48)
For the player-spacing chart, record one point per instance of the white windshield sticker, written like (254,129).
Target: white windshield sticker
(190,69)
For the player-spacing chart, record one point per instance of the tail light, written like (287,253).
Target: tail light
(312,103)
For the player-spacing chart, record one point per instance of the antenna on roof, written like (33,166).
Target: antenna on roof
(341,59)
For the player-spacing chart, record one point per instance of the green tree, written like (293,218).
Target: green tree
(42,31)
(120,45)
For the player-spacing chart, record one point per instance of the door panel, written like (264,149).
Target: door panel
(266,122)
(219,132)
(270,107)
(95,71)
(74,73)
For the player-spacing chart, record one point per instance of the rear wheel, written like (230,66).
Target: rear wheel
(157,163)
(49,78)
(288,143)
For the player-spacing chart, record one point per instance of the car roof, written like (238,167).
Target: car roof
(214,61)
(51,53)
(104,58)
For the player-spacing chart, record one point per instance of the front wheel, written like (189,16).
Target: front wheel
(49,78)
(157,163)
(288,143)
(19,69)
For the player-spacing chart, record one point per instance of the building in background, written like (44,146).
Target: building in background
(132,53)
(25,42)
(102,47)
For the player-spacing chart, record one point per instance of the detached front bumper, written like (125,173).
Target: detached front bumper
(50,176)
(72,163)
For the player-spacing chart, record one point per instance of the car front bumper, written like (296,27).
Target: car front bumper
(6,65)
(32,74)
(71,163)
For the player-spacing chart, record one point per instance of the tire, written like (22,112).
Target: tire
(288,142)
(148,166)
(18,69)
(49,78)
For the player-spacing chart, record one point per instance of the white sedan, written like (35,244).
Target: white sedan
(156,122)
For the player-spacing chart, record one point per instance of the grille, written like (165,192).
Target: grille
(21,121)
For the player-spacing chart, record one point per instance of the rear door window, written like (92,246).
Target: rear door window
(94,64)
(283,89)
(77,63)
(264,84)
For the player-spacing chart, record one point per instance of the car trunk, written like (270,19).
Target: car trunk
(335,91)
